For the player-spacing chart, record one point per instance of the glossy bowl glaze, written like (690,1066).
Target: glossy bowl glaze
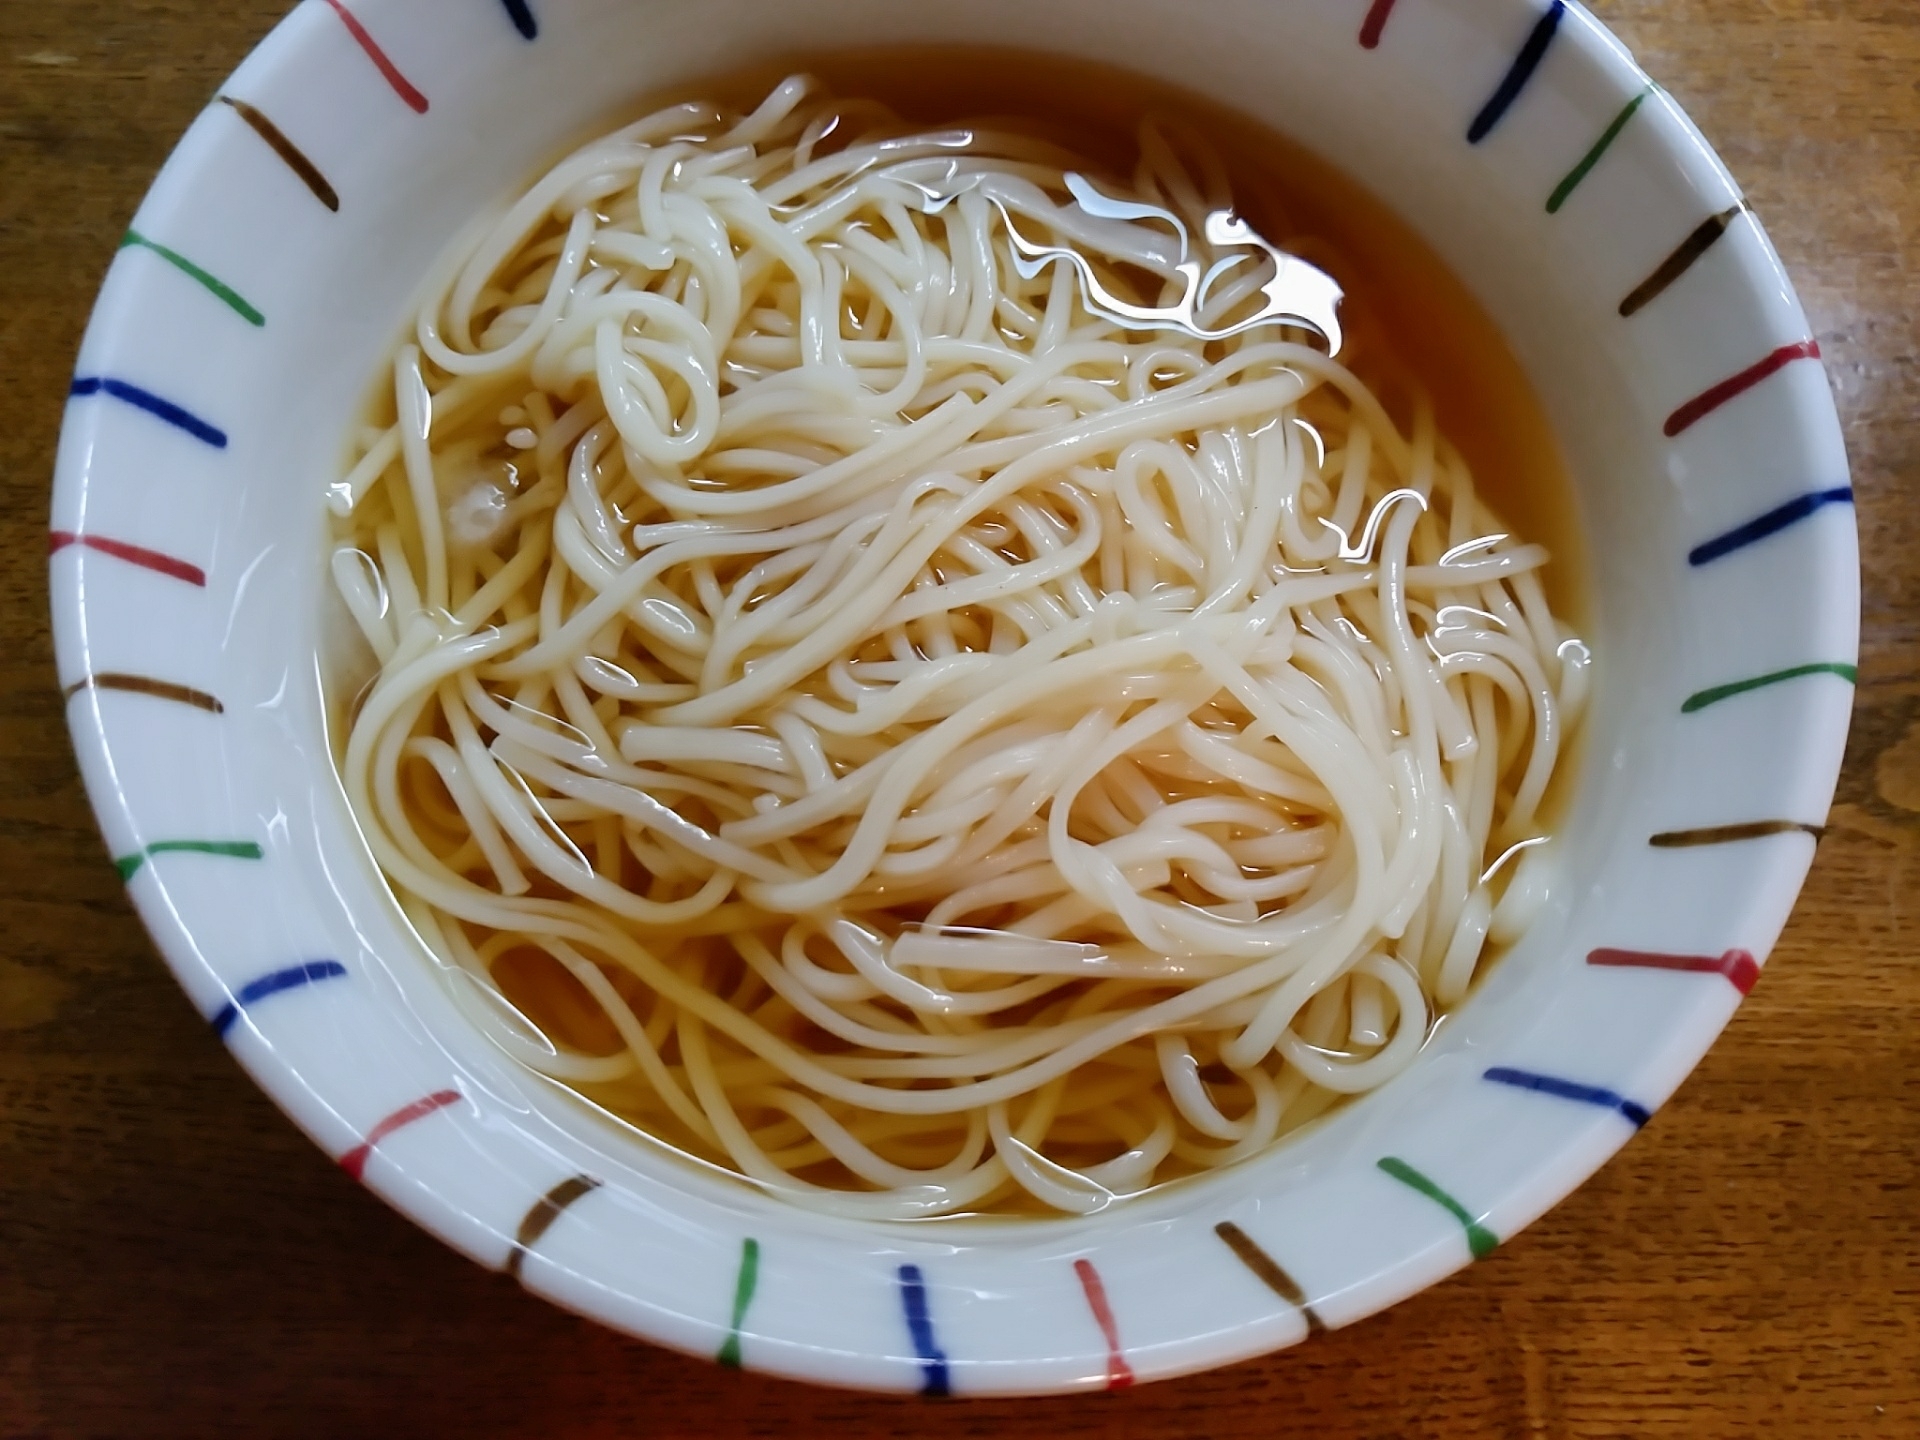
(266,275)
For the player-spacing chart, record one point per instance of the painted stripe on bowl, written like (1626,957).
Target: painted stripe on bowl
(290,154)
(1779,518)
(1518,74)
(389,71)
(1569,1090)
(933,1360)
(1564,190)
(1683,259)
(294,977)
(1119,1372)
(129,865)
(86,386)
(227,295)
(1734,386)
(132,554)
(1732,834)
(1480,1240)
(147,685)
(1375,25)
(521,13)
(1268,1272)
(1737,967)
(354,1162)
(539,1219)
(1714,694)
(743,1287)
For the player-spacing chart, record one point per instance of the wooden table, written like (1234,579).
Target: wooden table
(175,1259)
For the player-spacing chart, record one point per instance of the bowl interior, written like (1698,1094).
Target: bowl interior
(210,414)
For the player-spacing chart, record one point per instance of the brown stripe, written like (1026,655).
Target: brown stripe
(287,151)
(540,1218)
(1680,261)
(1728,834)
(1268,1270)
(146,685)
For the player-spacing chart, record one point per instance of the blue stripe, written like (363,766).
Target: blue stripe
(1524,64)
(933,1360)
(292,978)
(1774,521)
(1570,1090)
(146,400)
(522,16)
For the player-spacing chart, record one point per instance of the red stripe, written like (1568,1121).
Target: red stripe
(1119,1373)
(354,1162)
(1701,406)
(1376,23)
(1739,967)
(400,84)
(132,554)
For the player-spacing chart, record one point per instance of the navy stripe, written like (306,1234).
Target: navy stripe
(522,16)
(291,978)
(1791,513)
(933,1360)
(146,400)
(1524,64)
(1570,1090)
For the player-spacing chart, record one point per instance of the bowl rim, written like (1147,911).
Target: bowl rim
(1456,1234)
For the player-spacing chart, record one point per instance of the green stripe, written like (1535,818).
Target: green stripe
(129,865)
(1480,1240)
(1718,693)
(186,266)
(742,1297)
(1580,171)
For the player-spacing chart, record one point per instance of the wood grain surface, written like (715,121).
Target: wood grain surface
(176,1260)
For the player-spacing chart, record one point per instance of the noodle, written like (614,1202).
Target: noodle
(907,669)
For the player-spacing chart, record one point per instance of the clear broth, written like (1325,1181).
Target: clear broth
(1406,316)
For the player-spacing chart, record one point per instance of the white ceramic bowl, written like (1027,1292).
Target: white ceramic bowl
(235,338)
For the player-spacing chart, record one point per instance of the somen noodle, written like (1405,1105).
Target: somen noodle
(906,668)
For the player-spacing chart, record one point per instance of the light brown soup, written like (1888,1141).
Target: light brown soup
(1406,316)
